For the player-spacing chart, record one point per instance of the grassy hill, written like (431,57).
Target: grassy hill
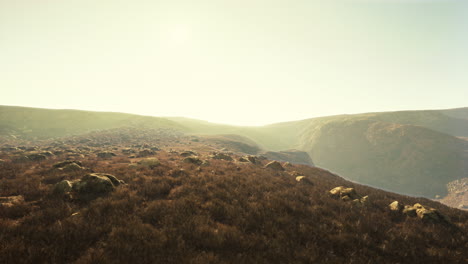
(403,158)
(413,152)
(47,123)
(222,212)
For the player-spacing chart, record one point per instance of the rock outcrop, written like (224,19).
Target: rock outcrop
(274,165)
(93,184)
(348,194)
(426,214)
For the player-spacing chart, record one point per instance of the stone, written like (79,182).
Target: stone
(193,160)
(396,206)
(106,155)
(37,157)
(274,165)
(72,167)
(222,156)
(63,187)
(409,211)
(188,153)
(66,162)
(149,162)
(96,183)
(303,179)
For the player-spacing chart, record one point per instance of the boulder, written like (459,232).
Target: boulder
(63,187)
(47,153)
(96,183)
(348,194)
(93,184)
(71,167)
(221,156)
(396,206)
(149,162)
(188,153)
(249,158)
(274,165)
(303,179)
(37,157)
(193,160)
(66,162)
(409,211)
(128,151)
(344,193)
(106,155)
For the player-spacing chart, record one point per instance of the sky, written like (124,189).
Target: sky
(243,62)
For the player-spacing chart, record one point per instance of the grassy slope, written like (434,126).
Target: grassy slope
(220,214)
(46,123)
(363,147)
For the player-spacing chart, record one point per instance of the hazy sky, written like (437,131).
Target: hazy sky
(246,62)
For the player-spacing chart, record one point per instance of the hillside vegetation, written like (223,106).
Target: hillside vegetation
(47,123)
(201,209)
(412,152)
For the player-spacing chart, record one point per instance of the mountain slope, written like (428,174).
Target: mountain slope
(47,123)
(402,158)
(402,151)
(225,211)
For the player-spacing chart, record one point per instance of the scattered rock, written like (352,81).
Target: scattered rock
(249,158)
(303,179)
(396,206)
(91,184)
(426,214)
(71,167)
(193,160)
(97,183)
(274,165)
(47,153)
(221,156)
(37,157)
(66,162)
(149,162)
(63,187)
(348,194)
(106,155)
(188,153)
(409,211)
(128,151)
(344,193)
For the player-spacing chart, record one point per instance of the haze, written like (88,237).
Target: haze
(235,62)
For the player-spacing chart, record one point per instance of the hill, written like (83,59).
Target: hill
(412,152)
(171,208)
(25,122)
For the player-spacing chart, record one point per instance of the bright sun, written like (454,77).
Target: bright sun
(179,35)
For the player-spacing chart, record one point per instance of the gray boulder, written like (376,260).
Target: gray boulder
(274,165)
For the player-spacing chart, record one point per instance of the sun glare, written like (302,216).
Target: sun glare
(179,34)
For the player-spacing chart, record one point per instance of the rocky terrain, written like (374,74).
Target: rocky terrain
(160,196)
(411,152)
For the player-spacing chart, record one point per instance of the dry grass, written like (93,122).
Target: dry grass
(225,212)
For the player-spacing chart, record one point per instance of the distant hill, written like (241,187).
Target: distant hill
(411,152)
(403,158)
(48,123)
